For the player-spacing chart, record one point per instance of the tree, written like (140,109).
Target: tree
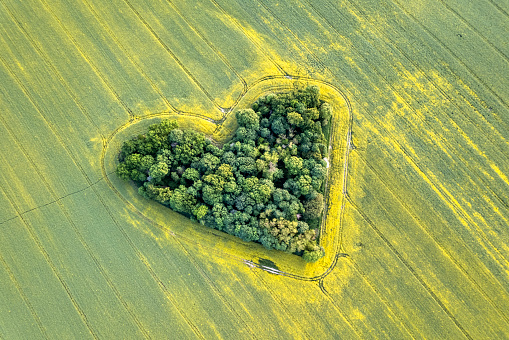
(159,194)
(244,134)
(182,201)
(265,185)
(278,126)
(313,255)
(264,132)
(191,174)
(225,171)
(304,184)
(200,211)
(313,208)
(157,171)
(211,195)
(248,119)
(293,165)
(325,113)
(191,146)
(294,118)
(261,191)
(208,163)
(247,165)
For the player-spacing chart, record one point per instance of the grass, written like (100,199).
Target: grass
(417,244)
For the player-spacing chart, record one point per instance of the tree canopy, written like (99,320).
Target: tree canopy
(265,185)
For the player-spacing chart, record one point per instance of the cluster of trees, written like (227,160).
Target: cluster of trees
(266,184)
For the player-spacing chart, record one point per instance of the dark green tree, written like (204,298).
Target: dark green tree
(266,184)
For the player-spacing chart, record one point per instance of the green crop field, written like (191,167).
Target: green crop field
(416,230)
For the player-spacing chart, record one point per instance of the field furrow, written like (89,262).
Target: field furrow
(133,284)
(63,175)
(42,284)
(485,19)
(156,60)
(445,27)
(367,307)
(105,310)
(110,62)
(222,83)
(67,64)
(406,295)
(17,314)
(18,179)
(54,120)
(205,16)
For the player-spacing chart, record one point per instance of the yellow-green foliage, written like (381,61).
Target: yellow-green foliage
(416,230)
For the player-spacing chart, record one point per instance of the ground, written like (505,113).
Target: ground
(416,229)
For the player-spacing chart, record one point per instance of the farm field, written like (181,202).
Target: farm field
(417,224)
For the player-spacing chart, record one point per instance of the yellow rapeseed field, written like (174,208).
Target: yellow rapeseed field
(416,229)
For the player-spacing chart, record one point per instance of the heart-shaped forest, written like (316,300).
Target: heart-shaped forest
(266,184)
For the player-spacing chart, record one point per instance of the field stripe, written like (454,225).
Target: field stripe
(18,179)
(252,63)
(75,84)
(64,175)
(129,56)
(410,269)
(347,289)
(404,41)
(473,25)
(88,59)
(32,232)
(37,243)
(96,262)
(113,66)
(48,203)
(276,296)
(261,49)
(443,196)
(500,97)
(193,51)
(12,323)
(499,7)
(217,290)
(448,255)
(209,44)
(173,56)
(488,131)
(65,231)
(134,37)
(374,260)
(324,318)
(48,113)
